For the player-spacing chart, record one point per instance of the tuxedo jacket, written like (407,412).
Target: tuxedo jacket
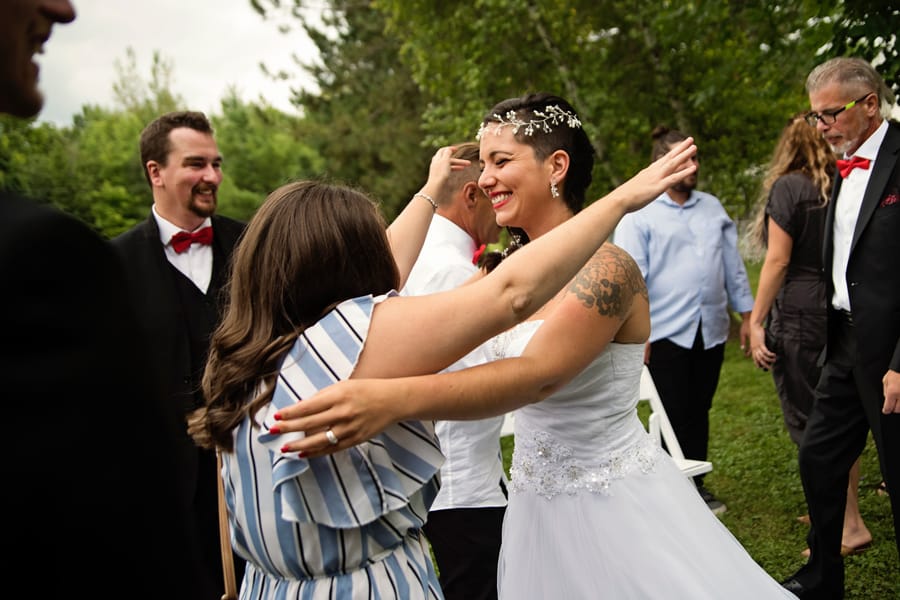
(873,275)
(87,445)
(163,315)
(177,319)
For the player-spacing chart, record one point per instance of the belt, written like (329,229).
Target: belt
(845,316)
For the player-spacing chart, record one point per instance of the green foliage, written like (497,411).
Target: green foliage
(727,73)
(869,29)
(365,117)
(262,148)
(105,185)
(755,473)
(145,98)
(20,140)
(395,79)
(92,169)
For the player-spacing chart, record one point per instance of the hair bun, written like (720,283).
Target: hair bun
(659,131)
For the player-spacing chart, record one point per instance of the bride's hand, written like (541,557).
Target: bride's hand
(354,411)
(659,175)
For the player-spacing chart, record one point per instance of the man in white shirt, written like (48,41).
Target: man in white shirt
(177,262)
(859,388)
(464,523)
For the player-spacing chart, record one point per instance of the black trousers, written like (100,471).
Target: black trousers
(466,546)
(847,406)
(686,379)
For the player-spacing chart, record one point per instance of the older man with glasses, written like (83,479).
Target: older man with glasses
(859,388)
(829,117)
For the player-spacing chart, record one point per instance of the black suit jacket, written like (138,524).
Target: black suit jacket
(873,276)
(162,315)
(158,293)
(88,459)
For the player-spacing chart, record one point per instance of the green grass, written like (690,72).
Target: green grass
(755,473)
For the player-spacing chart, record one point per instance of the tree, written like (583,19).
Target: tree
(146,98)
(262,148)
(365,118)
(19,141)
(869,29)
(727,73)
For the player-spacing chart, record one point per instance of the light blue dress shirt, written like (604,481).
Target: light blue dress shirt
(689,257)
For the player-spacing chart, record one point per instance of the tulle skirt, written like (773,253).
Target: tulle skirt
(650,537)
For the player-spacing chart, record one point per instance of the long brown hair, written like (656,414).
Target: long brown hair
(309,247)
(801,148)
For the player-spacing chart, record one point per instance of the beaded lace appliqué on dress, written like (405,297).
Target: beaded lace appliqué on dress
(545,466)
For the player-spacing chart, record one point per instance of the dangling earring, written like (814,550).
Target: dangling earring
(553,191)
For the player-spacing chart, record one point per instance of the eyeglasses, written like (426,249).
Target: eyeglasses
(830,116)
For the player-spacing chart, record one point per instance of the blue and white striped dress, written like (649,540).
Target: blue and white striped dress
(337,527)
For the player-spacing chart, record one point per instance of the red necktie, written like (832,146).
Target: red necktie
(845,166)
(182,240)
(478,254)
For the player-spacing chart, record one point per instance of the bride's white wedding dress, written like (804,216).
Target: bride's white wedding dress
(598,510)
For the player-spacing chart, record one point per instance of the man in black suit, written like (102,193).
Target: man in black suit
(178,261)
(89,470)
(859,389)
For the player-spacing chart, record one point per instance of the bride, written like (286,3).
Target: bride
(596,508)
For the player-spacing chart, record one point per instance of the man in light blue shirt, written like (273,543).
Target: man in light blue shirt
(686,247)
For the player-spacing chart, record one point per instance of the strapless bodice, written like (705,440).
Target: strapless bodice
(586,435)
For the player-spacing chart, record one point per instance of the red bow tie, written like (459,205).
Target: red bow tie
(478,253)
(845,166)
(182,240)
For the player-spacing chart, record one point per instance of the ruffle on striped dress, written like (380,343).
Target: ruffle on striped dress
(340,526)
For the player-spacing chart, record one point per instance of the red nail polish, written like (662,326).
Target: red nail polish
(301,454)
(277,416)
(274,430)
(285,449)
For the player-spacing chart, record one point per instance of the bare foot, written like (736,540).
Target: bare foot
(857,539)
(845,550)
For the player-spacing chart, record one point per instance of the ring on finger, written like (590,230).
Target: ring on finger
(332,439)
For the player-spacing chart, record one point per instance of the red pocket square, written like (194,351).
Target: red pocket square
(889,200)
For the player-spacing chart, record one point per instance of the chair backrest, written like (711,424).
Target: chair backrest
(508,427)
(661,429)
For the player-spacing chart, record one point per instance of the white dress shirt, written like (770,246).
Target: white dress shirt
(473,469)
(196,262)
(846,212)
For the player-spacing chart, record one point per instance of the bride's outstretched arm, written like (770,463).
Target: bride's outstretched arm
(528,279)
(606,301)
(363,408)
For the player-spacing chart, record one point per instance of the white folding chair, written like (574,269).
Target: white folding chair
(508,427)
(661,429)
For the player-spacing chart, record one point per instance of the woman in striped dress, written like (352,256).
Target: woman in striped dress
(311,302)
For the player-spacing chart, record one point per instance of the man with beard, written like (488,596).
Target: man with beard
(859,387)
(686,247)
(177,263)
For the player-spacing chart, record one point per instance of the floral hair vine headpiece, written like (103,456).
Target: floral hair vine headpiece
(552,115)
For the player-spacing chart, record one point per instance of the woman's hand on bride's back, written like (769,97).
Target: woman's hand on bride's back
(354,410)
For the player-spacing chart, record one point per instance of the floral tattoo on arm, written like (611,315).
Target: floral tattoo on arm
(609,282)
